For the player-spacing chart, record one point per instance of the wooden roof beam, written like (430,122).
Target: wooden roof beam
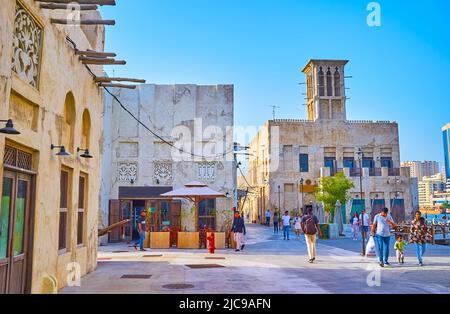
(62,6)
(98,61)
(95,54)
(95,2)
(117,85)
(118,79)
(83,22)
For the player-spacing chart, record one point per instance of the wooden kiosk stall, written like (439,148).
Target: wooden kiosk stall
(196,192)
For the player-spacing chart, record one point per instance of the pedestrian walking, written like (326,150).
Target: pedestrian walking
(364,222)
(239,231)
(382,229)
(418,235)
(355,226)
(399,247)
(297,225)
(275,223)
(286,220)
(310,227)
(141,228)
(268,215)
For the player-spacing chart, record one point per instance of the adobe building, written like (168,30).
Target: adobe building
(289,156)
(139,166)
(49,207)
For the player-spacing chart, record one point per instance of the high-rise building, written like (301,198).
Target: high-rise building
(446,138)
(428,187)
(420,169)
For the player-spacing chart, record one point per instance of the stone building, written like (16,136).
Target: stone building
(420,169)
(427,187)
(49,208)
(139,166)
(286,151)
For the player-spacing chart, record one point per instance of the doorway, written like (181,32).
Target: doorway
(14,232)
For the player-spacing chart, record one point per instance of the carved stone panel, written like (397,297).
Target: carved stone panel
(206,171)
(162,172)
(128,172)
(27,45)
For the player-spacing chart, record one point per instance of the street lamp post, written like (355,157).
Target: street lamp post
(360,157)
(279,201)
(301,184)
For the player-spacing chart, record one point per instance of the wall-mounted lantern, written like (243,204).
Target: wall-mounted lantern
(62,151)
(9,129)
(86,153)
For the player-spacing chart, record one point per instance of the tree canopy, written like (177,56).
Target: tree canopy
(332,189)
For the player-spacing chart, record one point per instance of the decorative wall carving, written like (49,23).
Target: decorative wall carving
(27,45)
(128,171)
(162,172)
(206,171)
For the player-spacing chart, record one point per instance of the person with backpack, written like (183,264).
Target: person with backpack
(310,227)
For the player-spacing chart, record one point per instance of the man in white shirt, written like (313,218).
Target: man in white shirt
(366,222)
(286,219)
(268,218)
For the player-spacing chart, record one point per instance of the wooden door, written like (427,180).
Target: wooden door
(14,232)
(114,217)
(126,212)
(175,215)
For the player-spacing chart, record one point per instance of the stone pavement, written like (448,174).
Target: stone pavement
(268,265)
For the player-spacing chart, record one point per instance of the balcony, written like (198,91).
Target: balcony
(394,172)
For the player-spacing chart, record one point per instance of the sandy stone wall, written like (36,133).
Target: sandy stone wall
(290,138)
(39,113)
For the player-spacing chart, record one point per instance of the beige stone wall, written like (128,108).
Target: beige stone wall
(317,139)
(39,114)
(164,108)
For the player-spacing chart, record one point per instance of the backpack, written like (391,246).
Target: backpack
(310,225)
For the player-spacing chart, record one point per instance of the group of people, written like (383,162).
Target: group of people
(359,221)
(418,235)
(308,224)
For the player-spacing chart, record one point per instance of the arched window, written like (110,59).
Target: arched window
(86,130)
(68,129)
(337,83)
(329,83)
(321,82)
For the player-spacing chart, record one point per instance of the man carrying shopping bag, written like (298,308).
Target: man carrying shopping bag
(382,228)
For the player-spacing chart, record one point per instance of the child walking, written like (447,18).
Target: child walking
(400,249)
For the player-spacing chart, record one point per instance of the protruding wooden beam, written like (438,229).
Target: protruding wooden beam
(83,22)
(95,54)
(97,2)
(117,85)
(63,6)
(100,61)
(118,79)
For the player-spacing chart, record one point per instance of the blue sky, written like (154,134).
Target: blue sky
(401,70)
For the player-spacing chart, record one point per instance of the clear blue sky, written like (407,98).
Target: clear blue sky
(401,70)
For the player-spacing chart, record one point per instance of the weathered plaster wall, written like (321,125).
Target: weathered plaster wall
(162,108)
(60,73)
(313,138)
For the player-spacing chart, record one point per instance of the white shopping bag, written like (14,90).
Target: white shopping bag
(370,249)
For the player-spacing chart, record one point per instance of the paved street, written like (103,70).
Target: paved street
(268,265)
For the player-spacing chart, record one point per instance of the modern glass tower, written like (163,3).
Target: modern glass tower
(446,138)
